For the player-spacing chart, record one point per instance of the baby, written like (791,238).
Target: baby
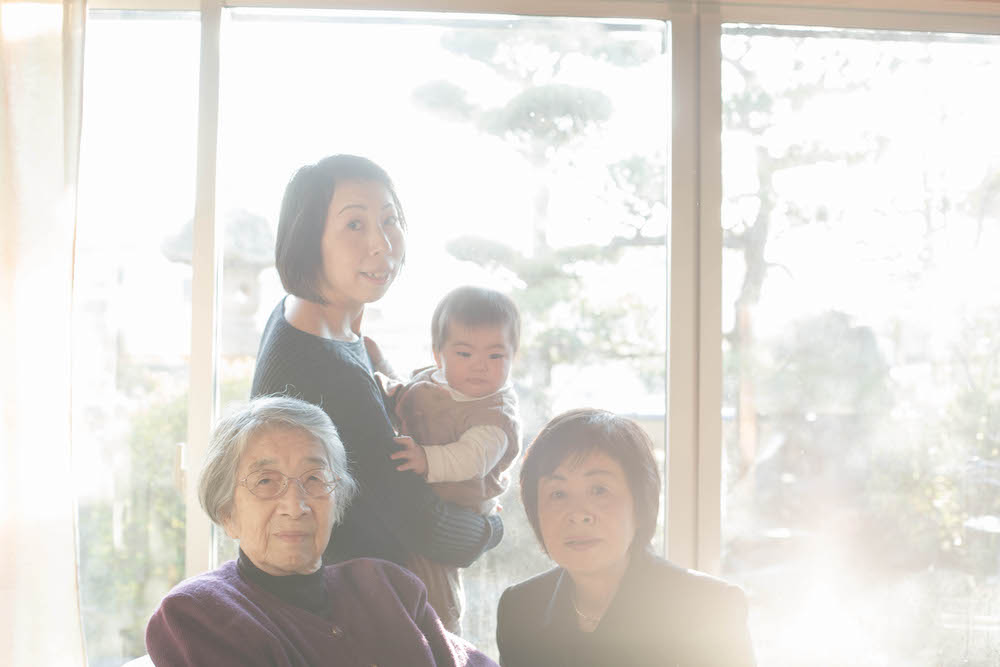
(459,419)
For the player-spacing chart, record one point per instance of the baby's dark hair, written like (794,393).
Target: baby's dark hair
(475,307)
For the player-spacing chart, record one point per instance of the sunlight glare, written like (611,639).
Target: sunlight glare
(21,21)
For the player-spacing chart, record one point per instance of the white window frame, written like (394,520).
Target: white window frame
(693,468)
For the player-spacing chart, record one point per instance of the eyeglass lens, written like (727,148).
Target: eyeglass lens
(271,483)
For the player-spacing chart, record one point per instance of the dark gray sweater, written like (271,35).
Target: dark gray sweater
(395,513)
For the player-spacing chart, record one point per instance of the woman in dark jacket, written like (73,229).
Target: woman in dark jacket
(591,489)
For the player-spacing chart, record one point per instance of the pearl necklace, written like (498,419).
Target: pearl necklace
(590,621)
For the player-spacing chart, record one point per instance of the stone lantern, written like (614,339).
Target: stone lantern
(247,249)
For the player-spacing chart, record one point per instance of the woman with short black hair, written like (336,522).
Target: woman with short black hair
(591,489)
(341,243)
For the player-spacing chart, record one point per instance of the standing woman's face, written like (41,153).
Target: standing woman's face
(363,244)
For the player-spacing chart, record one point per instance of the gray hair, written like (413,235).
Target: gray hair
(217,481)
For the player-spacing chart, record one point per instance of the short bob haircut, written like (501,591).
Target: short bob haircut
(475,307)
(217,481)
(575,434)
(298,253)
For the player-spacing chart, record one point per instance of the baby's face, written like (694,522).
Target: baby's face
(476,360)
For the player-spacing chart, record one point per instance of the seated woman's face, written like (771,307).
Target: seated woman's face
(585,511)
(287,534)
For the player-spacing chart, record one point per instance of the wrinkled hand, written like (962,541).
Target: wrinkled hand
(412,455)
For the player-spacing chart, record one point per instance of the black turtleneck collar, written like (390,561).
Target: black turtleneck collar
(305,591)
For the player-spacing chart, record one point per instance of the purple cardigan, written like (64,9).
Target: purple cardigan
(379,616)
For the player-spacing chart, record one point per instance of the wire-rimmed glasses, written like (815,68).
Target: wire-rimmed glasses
(270,484)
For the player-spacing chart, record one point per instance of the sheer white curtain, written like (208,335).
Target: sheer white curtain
(41,54)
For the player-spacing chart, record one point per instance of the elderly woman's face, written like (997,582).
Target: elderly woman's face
(586,514)
(287,534)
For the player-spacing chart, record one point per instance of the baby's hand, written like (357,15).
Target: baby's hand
(412,454)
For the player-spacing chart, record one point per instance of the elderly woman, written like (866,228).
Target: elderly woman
(591,489)
(276,479)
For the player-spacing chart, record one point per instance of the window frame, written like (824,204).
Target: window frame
(693,465)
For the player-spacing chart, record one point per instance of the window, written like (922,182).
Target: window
(132,319)
(833,444)
(861,301)
(488,126)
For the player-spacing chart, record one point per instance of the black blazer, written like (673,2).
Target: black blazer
(662,615)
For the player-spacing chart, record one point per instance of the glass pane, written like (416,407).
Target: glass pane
(862,309)
(545,139)
(132,314)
